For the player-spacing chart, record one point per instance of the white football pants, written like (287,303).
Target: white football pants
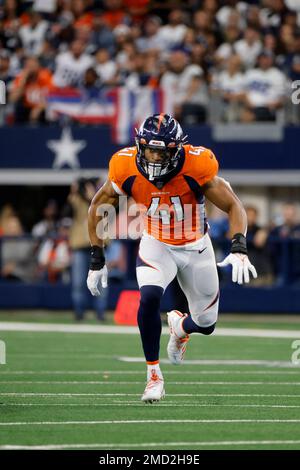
(195,267)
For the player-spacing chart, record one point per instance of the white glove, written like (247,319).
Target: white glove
(240,267)
(94,279)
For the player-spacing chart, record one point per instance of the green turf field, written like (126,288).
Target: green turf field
(75,390)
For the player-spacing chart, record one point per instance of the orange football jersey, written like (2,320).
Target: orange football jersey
(174,210)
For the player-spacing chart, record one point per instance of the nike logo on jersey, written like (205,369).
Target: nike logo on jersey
(201,251)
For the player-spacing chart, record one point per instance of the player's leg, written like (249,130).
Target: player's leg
(198,279)
(155,270)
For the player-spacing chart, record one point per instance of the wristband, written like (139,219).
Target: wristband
(239,244)
(97,258)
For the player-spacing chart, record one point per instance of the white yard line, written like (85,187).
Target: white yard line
(147,421)
(139,372)
(219,362)
(95,395)
(99,382)
(148,444)
(114,329)
(163,404)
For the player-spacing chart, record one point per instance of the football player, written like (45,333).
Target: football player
(171,179)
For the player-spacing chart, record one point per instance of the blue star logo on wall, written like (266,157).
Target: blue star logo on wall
(66,150)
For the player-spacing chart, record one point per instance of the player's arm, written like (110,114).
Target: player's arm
(98,269)
(105,195)
(220,193)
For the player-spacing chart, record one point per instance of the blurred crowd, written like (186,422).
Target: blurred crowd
(241,55)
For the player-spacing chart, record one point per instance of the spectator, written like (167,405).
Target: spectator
(114,13)
(249,47)
(71,65)
(81,17)
(106,68)
(229,85)
(195,102)
(270,43)
(271,16)
(291,61)
(142,73)
(226,49)
(48,55)
(257,248)
(283,252)
(7,212)
(32,35)
(17,253)
(125,55)
(264,90)
(211,6)
(79,199)
(91,84)
(29,91)
(224,13)
(102,36)
(11,22)
(289,226)
(253,17)
(48,223)
(293,5)
(189,40)
(45,6)
(54,256)
(152,38)
(137,9)
(202,23)
(172,34)
(184,81)
(5,73)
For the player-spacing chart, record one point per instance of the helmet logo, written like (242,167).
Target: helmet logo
(157,143)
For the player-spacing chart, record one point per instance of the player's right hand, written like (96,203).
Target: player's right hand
(95,278)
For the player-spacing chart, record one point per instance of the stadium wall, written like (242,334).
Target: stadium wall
(272,160)
(233,299)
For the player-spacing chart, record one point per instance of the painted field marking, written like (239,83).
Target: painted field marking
(147,421)
(147,444)
(137,403)
(45,394)
(139,372)
(217,362)
(107,382)
(113,329)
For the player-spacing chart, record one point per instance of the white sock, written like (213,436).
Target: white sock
(155,368)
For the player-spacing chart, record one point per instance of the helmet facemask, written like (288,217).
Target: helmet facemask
(155,170)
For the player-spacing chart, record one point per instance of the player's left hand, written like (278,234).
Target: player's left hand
(95,278)
(240,267)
